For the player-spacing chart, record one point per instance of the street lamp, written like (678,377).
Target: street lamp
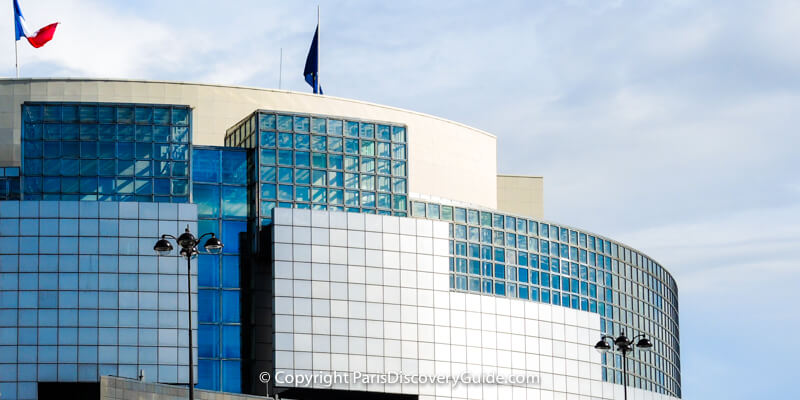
(188,244)
(623,345)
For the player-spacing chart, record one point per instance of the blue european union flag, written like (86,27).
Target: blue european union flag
(311,72)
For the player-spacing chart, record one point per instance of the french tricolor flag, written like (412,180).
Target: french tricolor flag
(38,38)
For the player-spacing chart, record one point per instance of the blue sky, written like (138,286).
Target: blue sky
(670,126)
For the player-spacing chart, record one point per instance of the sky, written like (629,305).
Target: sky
(670,126)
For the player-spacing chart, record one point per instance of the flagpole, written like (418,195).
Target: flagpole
(280,70)
(16,56)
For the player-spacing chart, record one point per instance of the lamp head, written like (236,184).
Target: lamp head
(187,240)
(602,345)
(644,344)
(213,245)
(163,247)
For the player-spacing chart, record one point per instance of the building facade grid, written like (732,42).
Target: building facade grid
(83,295)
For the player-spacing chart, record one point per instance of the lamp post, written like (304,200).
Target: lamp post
(188,244)
(623,345)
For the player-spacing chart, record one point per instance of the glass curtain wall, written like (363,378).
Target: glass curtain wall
(326,163)
(219,188)
(116,152)
(505,255)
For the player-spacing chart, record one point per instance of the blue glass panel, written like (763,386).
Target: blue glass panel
(69,167)
(351,146)
(107,133)
(234,201)
(207,199)
(499,288)
(32,166)
(230,306)
(285,157)
(302,193)
(32,149)
(231,233)
(268,173)
(231,376)
(159,115)
(179,151)
(208,267)
(208,307)
(335,196)
(285,140)
(161,186)
(268,139)
(285,175)
(302,159)
(179,169)
(303,176)
(335,127)
(231,341)
(268,191)
(285,123)
(230,271)
(208,341)
(384,132)
(206,166)
(318,125)
(125,151)
(398,134)
(383,150)
(285,192)
(51,149)
(161,134)
(88,167)
(302,142)
(143,115)
(32,131)
(319,178)
(180,116)
(234,167)
(335,161)
(399,202)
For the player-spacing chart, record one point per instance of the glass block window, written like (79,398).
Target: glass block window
(103,151)
(327,163)
(9,183)
(511,256)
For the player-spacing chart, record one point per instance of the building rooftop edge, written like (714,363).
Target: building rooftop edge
(2,80)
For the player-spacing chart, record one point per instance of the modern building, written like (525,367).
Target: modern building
(367,248)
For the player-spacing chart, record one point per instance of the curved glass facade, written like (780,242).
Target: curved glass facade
(512,256)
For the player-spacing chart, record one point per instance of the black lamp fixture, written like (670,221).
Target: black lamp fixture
(623,345)
(188,243)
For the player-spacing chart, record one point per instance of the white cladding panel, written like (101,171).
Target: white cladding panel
(370,294)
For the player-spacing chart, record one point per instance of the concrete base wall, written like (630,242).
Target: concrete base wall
(114,388)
